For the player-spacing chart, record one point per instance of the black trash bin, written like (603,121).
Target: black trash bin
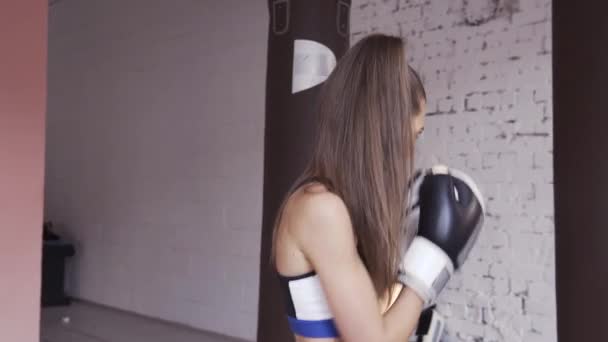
(54,253)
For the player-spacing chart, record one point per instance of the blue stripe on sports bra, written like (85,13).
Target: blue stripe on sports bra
(313,329)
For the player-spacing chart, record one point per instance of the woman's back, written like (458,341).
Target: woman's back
(290,260)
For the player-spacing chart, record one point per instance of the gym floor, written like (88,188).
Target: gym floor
(85,322)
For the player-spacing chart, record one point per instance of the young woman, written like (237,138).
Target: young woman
(340,234)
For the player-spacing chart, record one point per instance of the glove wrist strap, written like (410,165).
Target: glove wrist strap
(425,269)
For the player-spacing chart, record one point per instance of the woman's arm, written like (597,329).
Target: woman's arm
(321,226)
(405,306)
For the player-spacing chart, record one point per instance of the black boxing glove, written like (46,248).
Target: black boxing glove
(450,217)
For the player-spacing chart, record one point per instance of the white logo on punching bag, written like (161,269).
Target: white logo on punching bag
(312,64)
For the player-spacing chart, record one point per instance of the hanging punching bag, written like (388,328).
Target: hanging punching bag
(306,38)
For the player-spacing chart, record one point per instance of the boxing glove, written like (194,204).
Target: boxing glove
(451,212)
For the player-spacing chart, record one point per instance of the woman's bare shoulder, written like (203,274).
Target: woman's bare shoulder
(315,212)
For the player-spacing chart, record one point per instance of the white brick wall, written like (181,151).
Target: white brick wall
(487,69)
(154,154)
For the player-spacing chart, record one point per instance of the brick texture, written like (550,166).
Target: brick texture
(486,65)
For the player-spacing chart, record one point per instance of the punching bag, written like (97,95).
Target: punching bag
(306,38)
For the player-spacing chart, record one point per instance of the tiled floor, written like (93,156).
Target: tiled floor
(84,322)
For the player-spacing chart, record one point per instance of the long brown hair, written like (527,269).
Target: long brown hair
(365,145)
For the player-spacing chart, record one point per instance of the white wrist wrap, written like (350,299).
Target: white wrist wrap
(425,269)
